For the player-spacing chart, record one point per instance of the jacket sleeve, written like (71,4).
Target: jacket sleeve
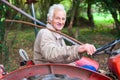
(56,54)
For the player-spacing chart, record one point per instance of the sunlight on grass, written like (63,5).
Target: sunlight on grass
(103,19)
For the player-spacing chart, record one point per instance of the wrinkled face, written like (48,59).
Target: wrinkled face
(58,19)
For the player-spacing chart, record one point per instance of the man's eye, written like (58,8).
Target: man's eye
(57,18)
(63,18)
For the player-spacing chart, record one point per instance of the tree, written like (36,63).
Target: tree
(3,46)
(89,13)
(113,6)
(74,10)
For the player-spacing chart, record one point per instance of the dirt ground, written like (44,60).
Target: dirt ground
(102,59)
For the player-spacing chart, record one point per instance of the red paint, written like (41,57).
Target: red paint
(43,69)
(87,61)
(114,65)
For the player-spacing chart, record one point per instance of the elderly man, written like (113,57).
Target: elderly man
(50,47)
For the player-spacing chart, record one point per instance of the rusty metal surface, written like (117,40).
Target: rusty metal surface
(45,69)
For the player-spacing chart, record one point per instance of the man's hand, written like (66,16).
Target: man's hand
(88,48)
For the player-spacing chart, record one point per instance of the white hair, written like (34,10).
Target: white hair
(52,8)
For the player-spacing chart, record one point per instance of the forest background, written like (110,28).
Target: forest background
(89,21)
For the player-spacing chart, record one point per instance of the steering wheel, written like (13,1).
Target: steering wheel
(110,45)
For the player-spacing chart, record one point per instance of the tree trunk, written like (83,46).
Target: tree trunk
(2,33)
(117,22)
(89,13)
(113,12)
(74,11)
(72,19)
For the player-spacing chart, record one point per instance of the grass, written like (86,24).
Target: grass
(16,40)
(97,37)
(103,20)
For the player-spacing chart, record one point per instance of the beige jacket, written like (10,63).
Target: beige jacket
(50,47)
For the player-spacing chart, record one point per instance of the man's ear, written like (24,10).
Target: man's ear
(48,20)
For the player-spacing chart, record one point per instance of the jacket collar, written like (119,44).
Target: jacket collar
(49,26)
(58,36)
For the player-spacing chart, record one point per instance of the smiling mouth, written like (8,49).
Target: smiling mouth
(59,24)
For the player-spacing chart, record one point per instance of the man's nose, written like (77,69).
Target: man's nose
(60,21)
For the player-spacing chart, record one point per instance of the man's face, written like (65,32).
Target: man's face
(58,19)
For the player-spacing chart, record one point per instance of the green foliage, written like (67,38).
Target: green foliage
(3,45)
(2,29)
(67,4)
(106,5)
